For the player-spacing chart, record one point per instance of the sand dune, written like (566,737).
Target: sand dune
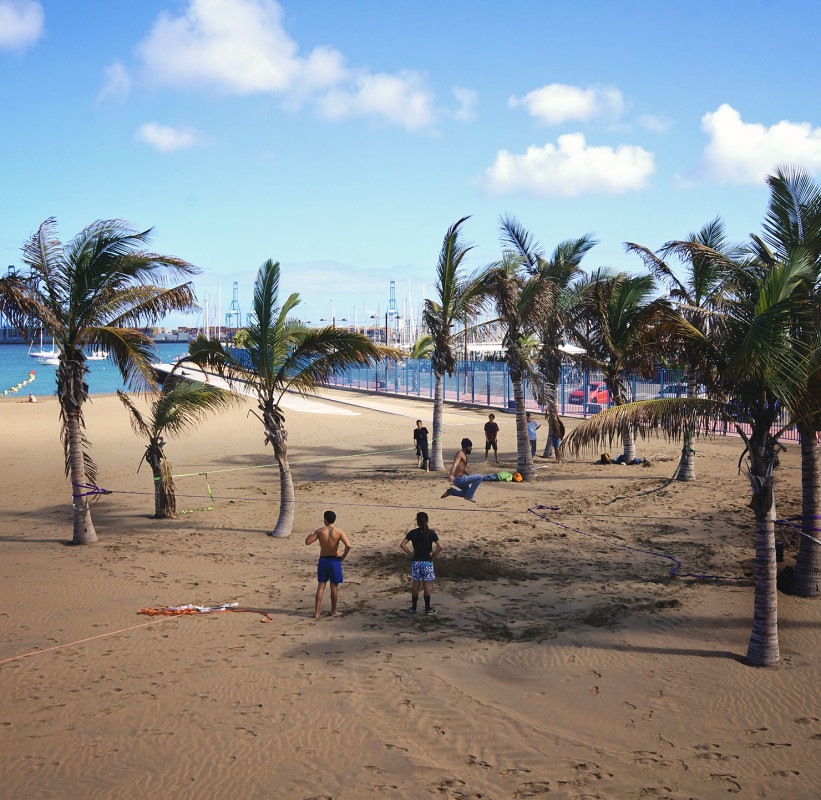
(560,664)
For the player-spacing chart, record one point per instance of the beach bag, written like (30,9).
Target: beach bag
(605,459)
(517,477)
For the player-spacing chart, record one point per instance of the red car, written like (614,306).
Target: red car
(596,393)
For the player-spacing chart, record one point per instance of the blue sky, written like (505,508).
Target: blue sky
(343,138)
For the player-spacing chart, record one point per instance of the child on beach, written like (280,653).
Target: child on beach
(425,548)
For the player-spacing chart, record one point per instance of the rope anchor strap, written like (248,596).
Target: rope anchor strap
(204,508)
(92,490)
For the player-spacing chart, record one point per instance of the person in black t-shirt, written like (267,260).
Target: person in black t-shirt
(425,548)
(491,432)
(420,439)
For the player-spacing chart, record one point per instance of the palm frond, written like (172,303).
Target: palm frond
(673,417)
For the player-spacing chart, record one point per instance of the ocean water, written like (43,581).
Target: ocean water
(103,376)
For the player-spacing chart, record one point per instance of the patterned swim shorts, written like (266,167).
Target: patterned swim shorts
(422,570)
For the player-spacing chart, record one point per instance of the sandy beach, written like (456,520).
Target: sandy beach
(565,660)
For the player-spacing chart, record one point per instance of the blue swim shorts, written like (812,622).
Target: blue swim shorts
(422,570)
(329,568)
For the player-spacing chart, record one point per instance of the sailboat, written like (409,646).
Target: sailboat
(49,357)
(98,353)
(41,353)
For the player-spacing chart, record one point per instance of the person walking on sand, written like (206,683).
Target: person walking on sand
(420,439)
(532,427)
(425,548)
(329,566)
(465,485)
(491,432)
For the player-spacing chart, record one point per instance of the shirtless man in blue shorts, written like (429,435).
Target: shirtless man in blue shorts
(329,566)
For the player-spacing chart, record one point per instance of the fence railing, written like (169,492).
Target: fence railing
(580,392)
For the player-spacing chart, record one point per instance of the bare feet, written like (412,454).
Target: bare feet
(316,616)
(336,613)
(445,494)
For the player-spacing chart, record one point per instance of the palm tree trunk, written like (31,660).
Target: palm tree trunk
(687,463)
(84,532)
(524,459)
(762,650)
(550,402)
(278,437)
(807,575)
(629,441)
(165,504)
(437,462)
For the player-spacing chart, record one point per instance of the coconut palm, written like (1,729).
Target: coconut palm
(619,327)
(173,410)
(94,290)
(562,269)
(701,293)
(457,300)
(522,301)
(282,355)
(793,225)
(758,366)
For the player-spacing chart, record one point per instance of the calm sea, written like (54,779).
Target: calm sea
(103,376)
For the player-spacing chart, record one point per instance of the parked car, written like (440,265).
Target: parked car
(680,390)
(597,394)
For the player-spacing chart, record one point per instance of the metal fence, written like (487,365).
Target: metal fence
(581,393)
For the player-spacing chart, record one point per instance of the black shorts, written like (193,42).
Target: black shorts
(493,444)
(422,450)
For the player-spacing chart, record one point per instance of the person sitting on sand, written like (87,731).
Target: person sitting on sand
(420,439)
(329,566)
(32,398)
(425,548)
(466,485)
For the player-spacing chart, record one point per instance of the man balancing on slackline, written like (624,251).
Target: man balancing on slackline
(465,485)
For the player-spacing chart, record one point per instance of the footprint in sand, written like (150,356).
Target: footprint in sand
(533,789)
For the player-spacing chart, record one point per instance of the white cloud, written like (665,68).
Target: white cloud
(466,98)
(167,139)
(570,168)
(400,99)
(743,152)
(21,23)
(240,47)
(655,123)
(557,103)
(117,82)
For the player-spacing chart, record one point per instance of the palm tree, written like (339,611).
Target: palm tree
(522,301)
(457,299)
(175,409)
(758,366)
(619,328)
(94,290)
(422,348)
(697,297)
(283,355)
(561,268)
(793,225)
